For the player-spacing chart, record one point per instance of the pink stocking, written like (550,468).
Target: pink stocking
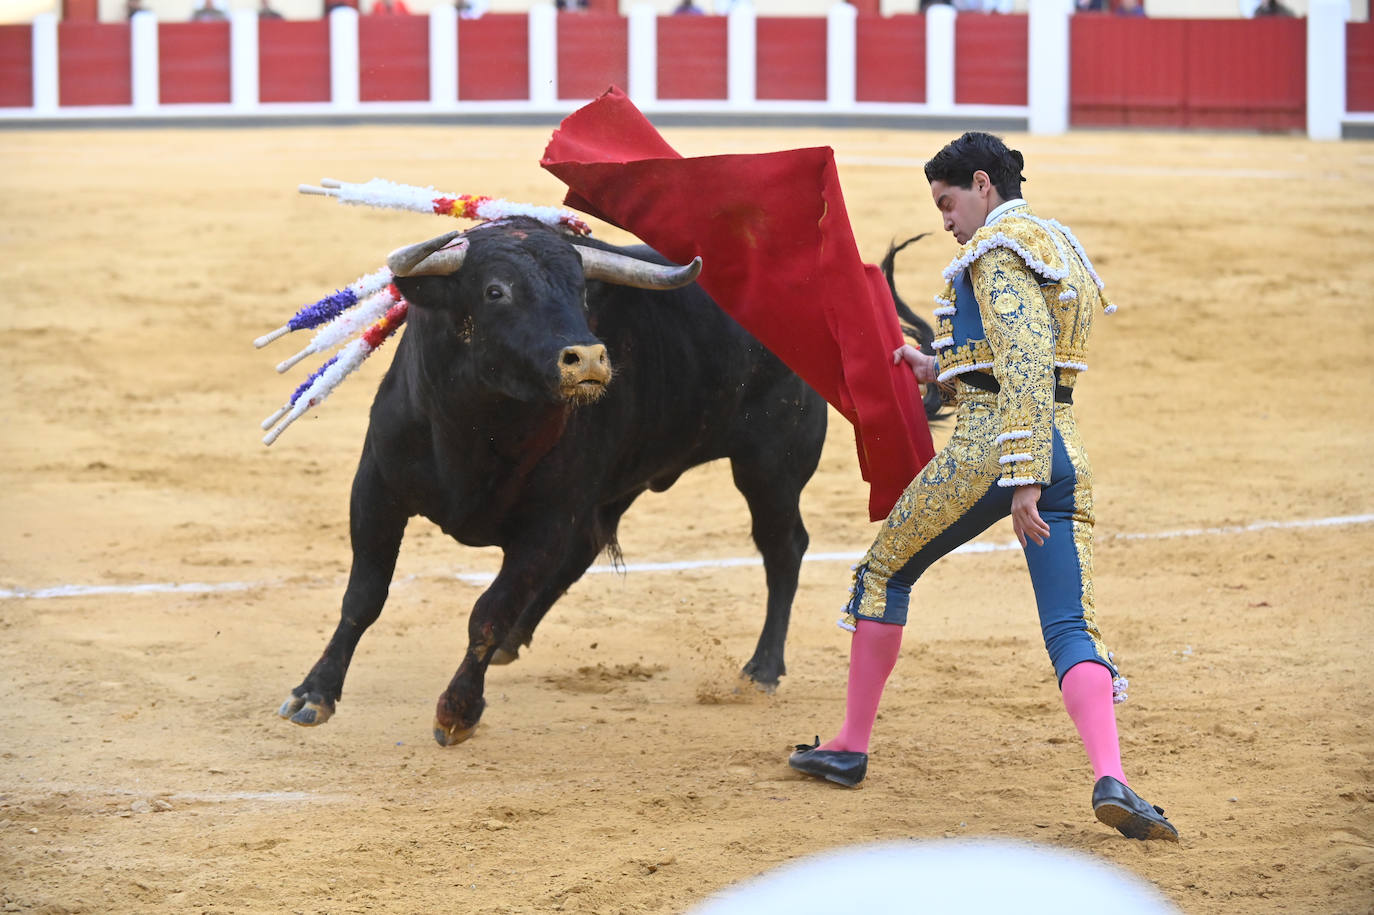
(872,655)
(1087,690)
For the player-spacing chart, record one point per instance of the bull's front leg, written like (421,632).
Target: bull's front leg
(522,575)
(377,522)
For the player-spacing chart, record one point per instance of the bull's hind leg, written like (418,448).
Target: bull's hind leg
(377,523)
(773,492)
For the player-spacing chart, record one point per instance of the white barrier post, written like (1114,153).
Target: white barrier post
(543,52)
(243,59)
(741,78)
(343,57)
(143,62)
(940,57)
(443,55)
(841,41)
(1326,68)
(643,54)
(44,39)
(1047,89)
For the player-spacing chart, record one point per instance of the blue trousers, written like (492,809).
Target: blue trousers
(956,497)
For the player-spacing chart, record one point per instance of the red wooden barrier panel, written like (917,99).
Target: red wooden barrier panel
(93,63)
(890,59)
(393,58)
(193,62)
(16,66)
(1126,72)
(990,57)
(791,58)
(593,54)
(1359,66)
(293,60)
(692,57)
(1247,73)
(494,57)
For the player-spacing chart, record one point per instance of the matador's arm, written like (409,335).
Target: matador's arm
(1018,329)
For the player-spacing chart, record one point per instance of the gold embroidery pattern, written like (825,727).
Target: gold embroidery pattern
(1030,329)
(941,494)
(1017,325)
(948,487)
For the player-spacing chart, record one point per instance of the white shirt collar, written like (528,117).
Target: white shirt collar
(1004,209)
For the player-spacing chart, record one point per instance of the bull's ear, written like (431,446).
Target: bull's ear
(431,292)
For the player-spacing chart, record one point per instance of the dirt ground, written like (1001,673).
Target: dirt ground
(167,578)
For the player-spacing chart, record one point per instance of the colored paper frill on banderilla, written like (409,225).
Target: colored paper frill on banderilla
(778,255)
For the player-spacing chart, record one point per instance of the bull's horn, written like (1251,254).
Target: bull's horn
(624,270)
(436,257)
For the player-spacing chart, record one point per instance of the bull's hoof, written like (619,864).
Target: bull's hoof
(463,724)
(764,676)
(505,655)
(448,738)
(305,711)
(761,685)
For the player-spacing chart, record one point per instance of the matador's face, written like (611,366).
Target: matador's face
(965,209)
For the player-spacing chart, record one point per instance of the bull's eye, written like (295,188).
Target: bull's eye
(496,292)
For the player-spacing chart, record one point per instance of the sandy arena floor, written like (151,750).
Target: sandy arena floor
(621,767)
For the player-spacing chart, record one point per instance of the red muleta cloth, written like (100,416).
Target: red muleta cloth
(778,255)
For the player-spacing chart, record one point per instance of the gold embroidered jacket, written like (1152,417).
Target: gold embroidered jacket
(1018,302)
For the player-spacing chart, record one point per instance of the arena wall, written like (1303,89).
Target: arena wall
(1089,70)
(24,11)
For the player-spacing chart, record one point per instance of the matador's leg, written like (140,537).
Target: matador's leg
(1061,569)
(951,501)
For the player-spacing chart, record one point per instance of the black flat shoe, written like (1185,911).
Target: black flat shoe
(1125,811)
(839,766)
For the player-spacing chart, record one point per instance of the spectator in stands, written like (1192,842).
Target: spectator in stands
(688,8)
(267,12)
(471,9)
(390,8)
(207,12)
(1130,8)
(1272,8)
(134,6)
(571,6)
(1091,6)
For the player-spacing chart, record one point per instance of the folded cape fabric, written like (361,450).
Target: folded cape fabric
(778,255)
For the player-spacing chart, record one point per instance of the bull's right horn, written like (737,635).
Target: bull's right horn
(436,257)
(624,270)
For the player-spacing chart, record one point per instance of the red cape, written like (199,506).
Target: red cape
(778,255)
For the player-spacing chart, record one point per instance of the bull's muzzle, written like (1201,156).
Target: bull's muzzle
(584,372)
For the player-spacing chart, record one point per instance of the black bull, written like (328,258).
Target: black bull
(499,421)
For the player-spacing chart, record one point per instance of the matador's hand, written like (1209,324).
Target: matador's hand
(922,366)
(1025,515)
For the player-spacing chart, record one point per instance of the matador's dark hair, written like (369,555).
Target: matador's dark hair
(977,151)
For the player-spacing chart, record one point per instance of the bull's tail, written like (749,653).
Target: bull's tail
(915,327)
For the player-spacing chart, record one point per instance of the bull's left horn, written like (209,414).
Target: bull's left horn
(624,270)
(436,257)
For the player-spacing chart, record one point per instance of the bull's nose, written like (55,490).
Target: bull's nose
(578,363)
(584,370)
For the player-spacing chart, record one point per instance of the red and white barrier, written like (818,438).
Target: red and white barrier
(1046,71)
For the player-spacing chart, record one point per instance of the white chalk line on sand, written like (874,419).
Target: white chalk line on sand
(730,562)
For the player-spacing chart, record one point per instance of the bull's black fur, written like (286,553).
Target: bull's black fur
(468,429)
